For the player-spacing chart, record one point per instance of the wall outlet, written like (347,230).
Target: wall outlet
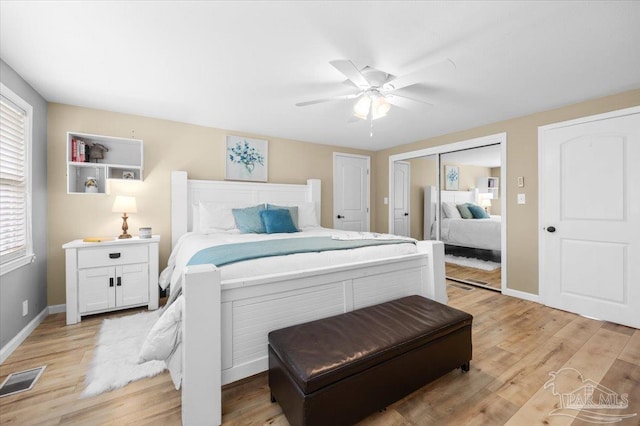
(522,199)
(25,308)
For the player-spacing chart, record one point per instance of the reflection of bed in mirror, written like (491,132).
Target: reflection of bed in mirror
(473,233)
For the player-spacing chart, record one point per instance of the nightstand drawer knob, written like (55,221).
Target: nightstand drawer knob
(114,255)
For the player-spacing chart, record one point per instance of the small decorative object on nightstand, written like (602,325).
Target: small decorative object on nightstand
(111,275)
(124,205)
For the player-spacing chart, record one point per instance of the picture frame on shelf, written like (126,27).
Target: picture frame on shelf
(246,159)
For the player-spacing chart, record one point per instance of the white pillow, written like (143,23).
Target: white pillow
(307,215)
(450,210)
(215,217)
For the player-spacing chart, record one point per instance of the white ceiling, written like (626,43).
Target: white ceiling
(242,66)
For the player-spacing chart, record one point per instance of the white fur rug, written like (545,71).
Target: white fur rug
(115,362)
(471,262)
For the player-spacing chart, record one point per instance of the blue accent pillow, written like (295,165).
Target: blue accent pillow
(293,210)
(477,211)
(464,211)
(278,221)
(248,220)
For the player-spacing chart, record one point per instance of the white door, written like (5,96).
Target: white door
(351,192)
(590,216)
(401,178)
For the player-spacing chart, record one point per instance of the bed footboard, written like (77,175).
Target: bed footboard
(224,323)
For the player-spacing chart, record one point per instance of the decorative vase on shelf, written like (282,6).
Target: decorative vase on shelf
(91,185)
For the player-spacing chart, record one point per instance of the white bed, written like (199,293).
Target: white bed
(473,233)
(225,321)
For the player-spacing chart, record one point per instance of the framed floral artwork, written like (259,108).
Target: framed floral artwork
(246,159)
(451,178)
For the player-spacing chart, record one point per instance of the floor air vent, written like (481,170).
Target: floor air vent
(20,381)
(463,287)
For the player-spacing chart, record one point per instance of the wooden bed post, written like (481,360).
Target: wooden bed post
(201,348)
(434,284)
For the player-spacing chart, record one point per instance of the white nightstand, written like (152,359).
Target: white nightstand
(111,275)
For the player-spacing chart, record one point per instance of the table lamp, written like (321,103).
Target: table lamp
(124,204)
(486,203)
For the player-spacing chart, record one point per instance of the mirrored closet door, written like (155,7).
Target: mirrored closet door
(470,209)
(454,197)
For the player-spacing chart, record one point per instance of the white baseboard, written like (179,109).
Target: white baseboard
(521,295)
(57,309)
(13,344)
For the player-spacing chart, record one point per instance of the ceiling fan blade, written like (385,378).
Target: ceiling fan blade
(347,68)
(405,101)
(419,76)
(334,98)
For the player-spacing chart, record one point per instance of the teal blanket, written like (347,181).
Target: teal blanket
(232,253)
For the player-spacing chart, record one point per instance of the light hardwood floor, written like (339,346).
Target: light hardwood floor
(491,279)
(516,345)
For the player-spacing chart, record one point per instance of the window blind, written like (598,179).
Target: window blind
(13,182)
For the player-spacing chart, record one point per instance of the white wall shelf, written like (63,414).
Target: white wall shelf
(122,160)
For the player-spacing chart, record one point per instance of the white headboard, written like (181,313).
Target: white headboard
(185,192)
(431,202)
(459,197)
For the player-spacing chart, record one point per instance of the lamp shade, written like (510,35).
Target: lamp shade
(485,202)
(124,204)
(361,108)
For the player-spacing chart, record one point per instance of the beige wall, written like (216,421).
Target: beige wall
(168,146)
(496,204)
(522,154)
(424,171)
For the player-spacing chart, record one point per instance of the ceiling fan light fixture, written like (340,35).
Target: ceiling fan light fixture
(361,108)
(380,107)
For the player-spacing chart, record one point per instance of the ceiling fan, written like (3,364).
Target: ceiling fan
(376,90)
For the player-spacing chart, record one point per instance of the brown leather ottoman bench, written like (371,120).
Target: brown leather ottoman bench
(340,369)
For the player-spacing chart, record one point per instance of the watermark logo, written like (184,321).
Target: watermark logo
(586,399)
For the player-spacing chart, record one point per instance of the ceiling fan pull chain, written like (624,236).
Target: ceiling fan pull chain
(370,115)
(371,128)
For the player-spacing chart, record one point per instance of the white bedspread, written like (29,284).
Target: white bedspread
(475,233)
(190,243)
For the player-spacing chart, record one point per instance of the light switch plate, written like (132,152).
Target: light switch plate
(522,199)
(520,181)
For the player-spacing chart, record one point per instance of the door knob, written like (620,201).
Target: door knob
(551,229)
(406,214)
(340,216)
